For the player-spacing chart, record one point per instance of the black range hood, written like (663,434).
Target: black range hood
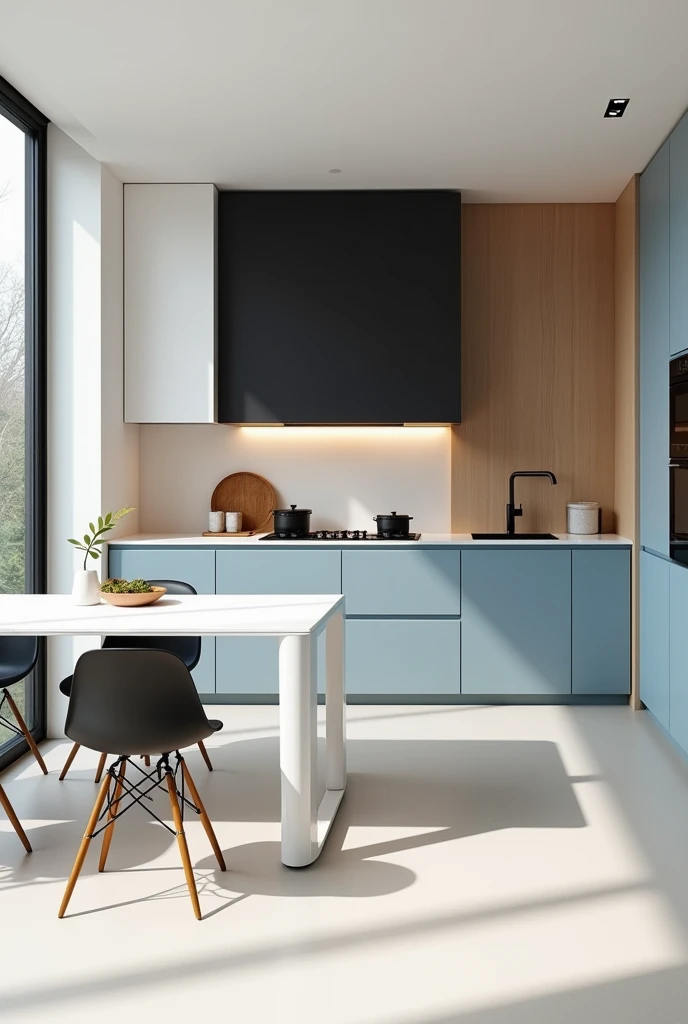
(339,308)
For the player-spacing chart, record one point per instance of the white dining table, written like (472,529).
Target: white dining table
(296,622)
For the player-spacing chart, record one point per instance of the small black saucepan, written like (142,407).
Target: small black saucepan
(393,524)
(292,520)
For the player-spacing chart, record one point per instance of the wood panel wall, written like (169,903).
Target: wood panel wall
(538,363)
(626,293)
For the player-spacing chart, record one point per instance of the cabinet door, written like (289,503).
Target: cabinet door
(196,567)
(601,621)
(169,303)
(249,665)
(516,621)
(654,352)
(403,656)
(679,237)
(654,635)
(678,661)
(420,581)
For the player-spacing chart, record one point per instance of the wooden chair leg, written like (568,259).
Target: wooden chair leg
(68,763)
(183,848)
(206,758)
(108,833)
(26,731)
(146,760)
(85,843)
(99,769)
(205,820)
(16,824)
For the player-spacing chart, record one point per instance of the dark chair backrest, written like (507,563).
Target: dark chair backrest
(134,702)
(188,648)
(18,657)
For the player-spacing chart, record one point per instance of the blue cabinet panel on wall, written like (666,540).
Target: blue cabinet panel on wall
(516,615)
(196,567)
(296,571)
(404,656)
(249,665)
(654,351)
(601,621)
(654,635)
(402,582)
(679,237)
(678,661)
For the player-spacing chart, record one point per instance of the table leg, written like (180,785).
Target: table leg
(298,749)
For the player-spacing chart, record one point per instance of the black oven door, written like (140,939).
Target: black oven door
(678,511)
(678,419)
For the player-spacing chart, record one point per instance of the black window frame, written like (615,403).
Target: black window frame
(34,124)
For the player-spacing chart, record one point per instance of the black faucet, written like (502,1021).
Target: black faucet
(511,510)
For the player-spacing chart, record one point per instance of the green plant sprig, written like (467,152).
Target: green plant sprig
(117,586)
(95,538)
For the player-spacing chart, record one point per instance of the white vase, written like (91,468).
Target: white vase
(86,588)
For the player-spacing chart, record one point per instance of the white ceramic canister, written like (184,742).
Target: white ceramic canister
(583,517)
(232,522)
(216,522)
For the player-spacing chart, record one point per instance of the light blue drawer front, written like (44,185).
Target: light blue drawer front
(397,656)
(601,642)
(250,665)
(402,582)
(194,567)
(279,572)
(654,635)
(516,635)
(678,661)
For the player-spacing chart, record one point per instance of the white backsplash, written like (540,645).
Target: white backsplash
(345,474)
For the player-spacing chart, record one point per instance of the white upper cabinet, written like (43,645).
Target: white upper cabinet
(170,234)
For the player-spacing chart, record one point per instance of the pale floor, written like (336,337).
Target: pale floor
(494,865)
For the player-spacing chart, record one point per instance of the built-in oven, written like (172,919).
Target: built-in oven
(678,459)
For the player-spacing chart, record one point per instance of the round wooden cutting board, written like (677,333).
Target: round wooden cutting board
(250,494)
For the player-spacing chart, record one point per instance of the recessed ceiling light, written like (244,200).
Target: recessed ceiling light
(335,170)
(616,108)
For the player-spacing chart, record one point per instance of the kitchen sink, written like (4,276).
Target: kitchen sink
(513,536)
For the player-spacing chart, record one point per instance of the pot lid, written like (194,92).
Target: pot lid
(291,511)
(391,515)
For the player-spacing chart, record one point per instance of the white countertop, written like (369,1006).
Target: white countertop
(446,539)
(172,615)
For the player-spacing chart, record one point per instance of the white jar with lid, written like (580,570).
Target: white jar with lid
(583,517)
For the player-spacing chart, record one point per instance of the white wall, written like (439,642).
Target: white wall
(345,474)
(92,456)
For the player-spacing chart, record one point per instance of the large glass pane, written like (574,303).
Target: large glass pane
(13,143)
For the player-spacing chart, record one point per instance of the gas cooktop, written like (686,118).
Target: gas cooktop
(341,535)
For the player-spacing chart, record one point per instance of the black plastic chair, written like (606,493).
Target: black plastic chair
(138,702)
(188,648)
(18,657)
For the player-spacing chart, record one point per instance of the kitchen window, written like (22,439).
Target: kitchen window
(23,137)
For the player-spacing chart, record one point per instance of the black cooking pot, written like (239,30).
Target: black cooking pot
(292,520)
(393,523)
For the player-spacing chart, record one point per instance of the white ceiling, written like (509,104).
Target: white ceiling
(502,99)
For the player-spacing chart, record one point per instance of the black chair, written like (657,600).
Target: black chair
(18,657)
(138,702)
(188,648)
(14,820)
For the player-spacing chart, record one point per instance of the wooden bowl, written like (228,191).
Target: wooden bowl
(134,600)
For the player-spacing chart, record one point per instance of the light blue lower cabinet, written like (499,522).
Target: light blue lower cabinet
(188,566)
(249,665)
(419,581)
(654,635)
(601,621)
(516,622)
(403,656)
(678,662)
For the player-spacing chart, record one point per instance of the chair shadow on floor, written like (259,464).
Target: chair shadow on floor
(436,790)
